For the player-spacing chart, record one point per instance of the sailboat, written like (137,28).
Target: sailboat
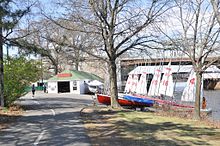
(160,88)
(132,85)
(140,88)
(137,90)
(157,88)
(189,92)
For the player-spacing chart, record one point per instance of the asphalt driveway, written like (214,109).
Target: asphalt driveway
(49,119)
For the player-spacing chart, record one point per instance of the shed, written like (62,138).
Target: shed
(71,81)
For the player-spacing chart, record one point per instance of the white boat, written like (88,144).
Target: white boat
(95,86)
(207,111)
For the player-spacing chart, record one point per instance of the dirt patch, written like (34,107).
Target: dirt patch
(9,115)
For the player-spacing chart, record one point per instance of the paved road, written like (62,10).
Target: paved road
(50,119)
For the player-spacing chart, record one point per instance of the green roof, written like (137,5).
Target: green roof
(76,75)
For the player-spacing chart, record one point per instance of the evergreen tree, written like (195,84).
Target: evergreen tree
(9,18)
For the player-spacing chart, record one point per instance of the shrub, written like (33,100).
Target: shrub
(18,74)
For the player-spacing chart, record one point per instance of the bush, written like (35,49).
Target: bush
(18,74)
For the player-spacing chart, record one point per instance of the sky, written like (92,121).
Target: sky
(171,27)
(46,6)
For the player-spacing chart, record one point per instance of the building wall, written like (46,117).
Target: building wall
(80,85)
(52,87)
(72,85)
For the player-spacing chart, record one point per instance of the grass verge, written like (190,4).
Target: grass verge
(132,128)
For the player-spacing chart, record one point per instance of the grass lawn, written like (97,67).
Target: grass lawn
(133,128)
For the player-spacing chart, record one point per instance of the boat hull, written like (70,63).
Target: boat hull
(138,99)
(105,99)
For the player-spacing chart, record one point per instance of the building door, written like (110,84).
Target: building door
(63,87)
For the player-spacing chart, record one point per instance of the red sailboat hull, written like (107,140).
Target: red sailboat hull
(105,99)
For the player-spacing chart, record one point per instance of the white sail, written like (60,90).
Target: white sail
(189,92)
(190,89)
(155,84)
(142,84)
(166,84)
(202,87)
(170,87)
(134,83)
(128,84)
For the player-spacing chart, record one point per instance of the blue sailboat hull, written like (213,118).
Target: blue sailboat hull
(138,99)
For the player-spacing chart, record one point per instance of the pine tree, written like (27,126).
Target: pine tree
(9,18)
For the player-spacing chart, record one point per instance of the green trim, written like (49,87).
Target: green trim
(76,75)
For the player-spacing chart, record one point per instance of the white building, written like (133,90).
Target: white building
(71,81)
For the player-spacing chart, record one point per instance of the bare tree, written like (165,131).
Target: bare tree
(215,5)
(121,25)
(193,31)
(59,45)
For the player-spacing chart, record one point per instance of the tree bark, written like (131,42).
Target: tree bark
(198,96)
(1,67)
(56,69)
(113,85)
(76,65)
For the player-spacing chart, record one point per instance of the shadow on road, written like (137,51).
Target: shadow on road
(41,127)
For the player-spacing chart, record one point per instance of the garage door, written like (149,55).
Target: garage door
(63,87)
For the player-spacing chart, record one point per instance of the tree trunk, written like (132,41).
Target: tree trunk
(113,86)
(7,49)
(76,64)
(198,96)
(56,69)
(1,68)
